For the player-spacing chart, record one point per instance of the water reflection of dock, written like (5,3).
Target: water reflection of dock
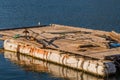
(32,64)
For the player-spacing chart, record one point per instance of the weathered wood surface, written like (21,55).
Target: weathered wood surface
(86,42)
(115,36)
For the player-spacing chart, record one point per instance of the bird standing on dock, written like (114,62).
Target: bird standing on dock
(39,23)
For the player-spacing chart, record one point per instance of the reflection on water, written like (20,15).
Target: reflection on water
(31,64)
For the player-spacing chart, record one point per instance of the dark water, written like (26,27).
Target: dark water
(95,14)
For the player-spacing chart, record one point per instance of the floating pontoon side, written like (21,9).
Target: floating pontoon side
(96,67)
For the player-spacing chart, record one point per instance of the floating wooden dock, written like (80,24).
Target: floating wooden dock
(78,48)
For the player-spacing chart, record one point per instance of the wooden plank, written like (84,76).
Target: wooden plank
(115,36)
